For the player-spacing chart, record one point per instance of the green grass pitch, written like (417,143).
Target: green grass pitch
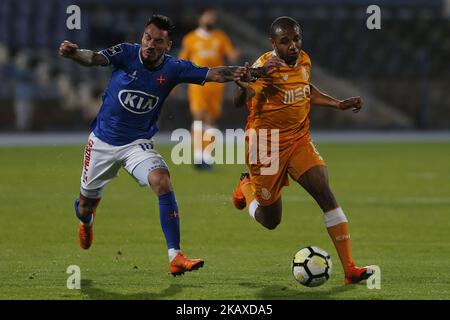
(396,196)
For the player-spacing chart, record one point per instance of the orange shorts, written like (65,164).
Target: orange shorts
(294,160)
(207,98)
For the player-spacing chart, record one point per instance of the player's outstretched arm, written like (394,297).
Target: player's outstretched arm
(84,57)
(322,99)
(225,74)
(244,93)
(232,73)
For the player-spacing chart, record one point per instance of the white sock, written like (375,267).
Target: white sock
(252,208)
(173,253)
(207,158)
(334,217)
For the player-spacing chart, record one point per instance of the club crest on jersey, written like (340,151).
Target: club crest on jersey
(137,101)
(161,79)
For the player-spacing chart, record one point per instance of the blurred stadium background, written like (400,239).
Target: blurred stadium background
(402,71)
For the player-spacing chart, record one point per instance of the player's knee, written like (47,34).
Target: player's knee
(270,216)
(160,183)
(272,225)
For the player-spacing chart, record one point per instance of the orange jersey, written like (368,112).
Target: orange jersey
(206,49)
(282,99)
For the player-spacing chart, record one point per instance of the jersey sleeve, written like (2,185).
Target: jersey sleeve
(117,55)
(191,73)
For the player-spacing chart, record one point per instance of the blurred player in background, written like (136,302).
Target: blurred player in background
(282,101)
(142,78)
(206,46)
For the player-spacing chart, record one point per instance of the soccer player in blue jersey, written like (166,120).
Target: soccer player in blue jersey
(142,77)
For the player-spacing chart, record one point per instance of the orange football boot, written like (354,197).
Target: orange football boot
(355,274)
(85,232)
(180,264)
(86,235)
(238,196)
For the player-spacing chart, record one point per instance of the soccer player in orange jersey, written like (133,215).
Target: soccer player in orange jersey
(282,101)
(206,46)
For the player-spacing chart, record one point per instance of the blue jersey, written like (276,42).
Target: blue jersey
(135,94)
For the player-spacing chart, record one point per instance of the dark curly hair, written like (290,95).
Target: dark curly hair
(162,22)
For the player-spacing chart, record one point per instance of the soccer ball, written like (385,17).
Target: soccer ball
(311,266)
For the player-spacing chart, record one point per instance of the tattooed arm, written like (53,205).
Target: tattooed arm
(84,57)
(244,93)
(224,74)
(246,74)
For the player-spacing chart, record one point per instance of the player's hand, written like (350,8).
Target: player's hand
(239,74)
(273,64)
(67,49)
(354,103)
(245,77)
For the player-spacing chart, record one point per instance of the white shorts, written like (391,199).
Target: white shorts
(102,162)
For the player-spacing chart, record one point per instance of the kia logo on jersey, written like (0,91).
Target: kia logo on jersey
(137,101)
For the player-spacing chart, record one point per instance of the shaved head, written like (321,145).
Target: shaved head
(286,37)
(283,24)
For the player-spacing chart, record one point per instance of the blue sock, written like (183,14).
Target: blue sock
(86,219)
(170,221)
